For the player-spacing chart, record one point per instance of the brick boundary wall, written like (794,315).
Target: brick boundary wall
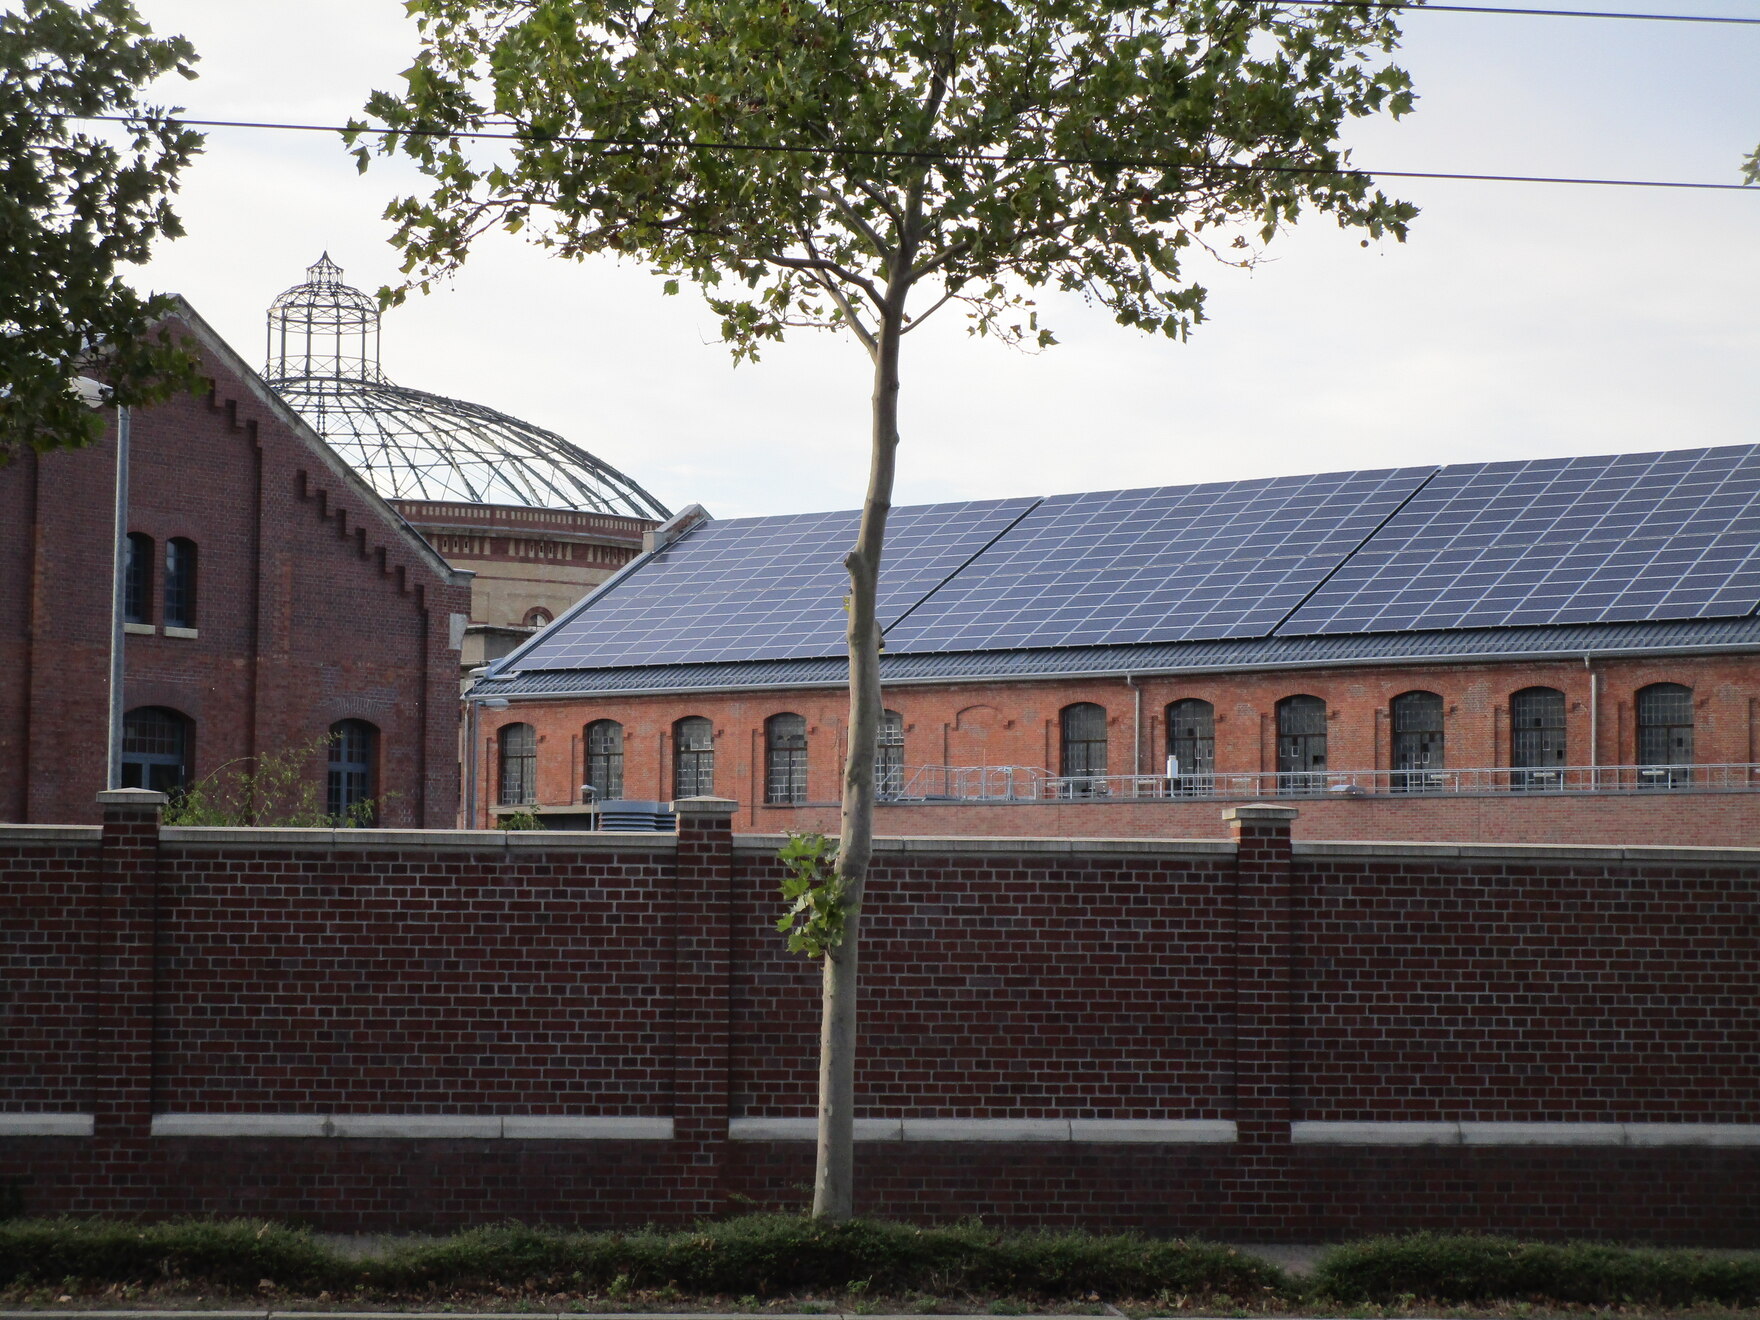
(389,1030)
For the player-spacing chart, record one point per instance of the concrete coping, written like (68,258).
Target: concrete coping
(704,806)
(348,840)
(1260,811)
(132,797)
(51,833)
(749,844)
(1561,852)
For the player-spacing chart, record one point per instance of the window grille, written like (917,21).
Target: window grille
(349,782)
(155,749)
(605,759)
(1417,740)
(889,755)
(1191,746)
(1301,745)
(785,760)
(1536,738)
(519,765)
(693,758)
(180,583)
(1665,734)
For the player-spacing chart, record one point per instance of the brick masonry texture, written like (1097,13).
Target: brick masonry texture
(291,972)
(1016,723)
(314,604)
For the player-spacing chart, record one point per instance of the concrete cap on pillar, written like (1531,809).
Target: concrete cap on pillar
(704,806)
(1260,811)
(131,797)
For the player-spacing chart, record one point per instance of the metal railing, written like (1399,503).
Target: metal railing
(1019,783)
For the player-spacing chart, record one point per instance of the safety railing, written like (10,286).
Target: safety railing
(1016,783)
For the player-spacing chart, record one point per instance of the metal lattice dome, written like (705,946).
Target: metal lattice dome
(323,358)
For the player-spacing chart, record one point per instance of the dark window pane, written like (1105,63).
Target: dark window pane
(1191,745)
(605,758)
(349,781)
(889,755)
(137,582)
(1536,738)
(785,759)
(1301,745)
(693,758)
(1665,733)
(155,749)
(1417,740)
(1084,743)
(519,765)
(180,583)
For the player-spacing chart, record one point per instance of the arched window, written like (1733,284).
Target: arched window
(1191,746)
(1665,734)
(352,781)
(605,758)
(519,765)
(538,617)
(137,579)
(1417,740)
(785,759)
(1082,752)
(180,583)
(693,758)
(1301,745)
(1536,738)
(155,749)
(889,755)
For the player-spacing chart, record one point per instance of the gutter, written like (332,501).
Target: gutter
(1064,676)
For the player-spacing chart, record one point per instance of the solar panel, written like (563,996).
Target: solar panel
(1582,540)
(1166,564)
(764,588)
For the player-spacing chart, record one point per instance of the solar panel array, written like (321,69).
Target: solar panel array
(1173,564)
(1559,541)
(1581,540)
(763,588)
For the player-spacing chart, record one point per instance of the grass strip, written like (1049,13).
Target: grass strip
(1473,1270)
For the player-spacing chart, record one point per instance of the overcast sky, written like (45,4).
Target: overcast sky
(1518,321)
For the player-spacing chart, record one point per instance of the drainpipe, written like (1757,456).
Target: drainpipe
(1136,726)
(119,558)
(1594,720)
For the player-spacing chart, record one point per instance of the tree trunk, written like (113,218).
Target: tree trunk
(834,1182)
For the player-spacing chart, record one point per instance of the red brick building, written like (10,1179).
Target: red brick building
(1561,651)
(273,598)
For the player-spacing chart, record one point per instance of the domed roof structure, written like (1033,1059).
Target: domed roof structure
(323,358)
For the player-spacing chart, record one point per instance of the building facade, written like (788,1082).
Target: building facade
(272,599)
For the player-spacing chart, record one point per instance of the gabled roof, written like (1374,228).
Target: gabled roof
(1468,559)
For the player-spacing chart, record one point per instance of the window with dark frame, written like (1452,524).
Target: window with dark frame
(352,772)
(605,759)
(1082,750)
(180,583)
(1191,746)
(1301,744)
(137,579)
(519,765)
(155,749)
(1665,735)
(889,755)
(785,760)
(1537,745)
(1418,752)
(693,757)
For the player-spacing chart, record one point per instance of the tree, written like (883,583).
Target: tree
(74,207)
(860,164)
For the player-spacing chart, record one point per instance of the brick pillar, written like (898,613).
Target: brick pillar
(702,1052)
(122,1090)
(1264,1009)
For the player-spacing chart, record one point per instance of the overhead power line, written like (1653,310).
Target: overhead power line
(884,153)
(1414,7)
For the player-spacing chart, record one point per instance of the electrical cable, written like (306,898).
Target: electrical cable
(883,153)
(1417,7)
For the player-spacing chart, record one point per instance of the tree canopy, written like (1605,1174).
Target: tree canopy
(74,207)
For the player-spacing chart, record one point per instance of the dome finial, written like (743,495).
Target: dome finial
(325,273)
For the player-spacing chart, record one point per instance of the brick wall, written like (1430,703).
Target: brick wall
(379,1030)
(1017,723)
(314,604)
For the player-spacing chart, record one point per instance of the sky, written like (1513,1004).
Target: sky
(1518,321)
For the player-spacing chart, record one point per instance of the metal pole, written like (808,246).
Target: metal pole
(118,600)
(470,764)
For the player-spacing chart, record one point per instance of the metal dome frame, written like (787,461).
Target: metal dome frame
(323,359)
